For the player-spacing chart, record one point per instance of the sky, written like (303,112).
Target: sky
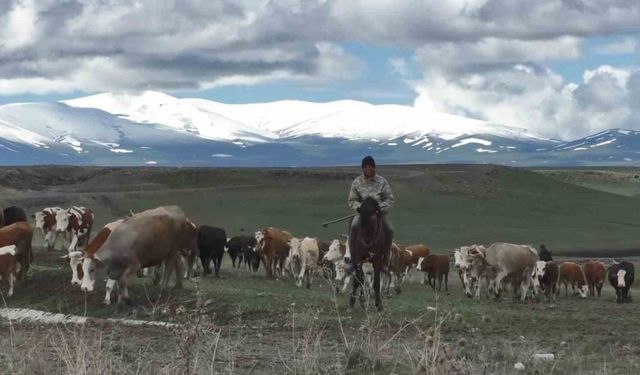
(560,68)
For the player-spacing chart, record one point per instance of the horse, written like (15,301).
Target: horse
(368,242)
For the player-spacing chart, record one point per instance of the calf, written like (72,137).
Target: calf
(336,256)
(8,266)
(621,276)
(13,214)
(236,247)
(435,267)
(396,268)
(20,235)
(273,248)
(76,221)
(46,222)
(303,255)
(547,276)
(571,274)
(595,272)
(211,242)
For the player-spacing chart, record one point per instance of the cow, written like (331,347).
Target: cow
(46,223)
(621,276)
(77,222)
(13,214)
(76,258)
(236,247)
(595,272)
(435,267)
(461,259)
(396,268)
(571,274)
(545,254)
(211,243)
(150,238)
(8,266)
(303,255)
(414,253)
(20,235)
(272,245)
(547,275)
(336,256)
(502,261)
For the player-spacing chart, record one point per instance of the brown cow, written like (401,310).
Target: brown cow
(76,257)
(396,268)
(8,266)
(414,253)
(76,221)
(595,272)
(571,274)
(150,238)
(273,248)
(435,267)
(19,234)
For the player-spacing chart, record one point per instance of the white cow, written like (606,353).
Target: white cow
(303,255)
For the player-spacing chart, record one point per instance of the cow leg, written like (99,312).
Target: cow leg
(300,276)
(345,283)
(217,260)
(169,266)
(157,274)
(356,285)
(12,281)
(178,263)
(446,283)
(74,241)
(110,285)
(498,284)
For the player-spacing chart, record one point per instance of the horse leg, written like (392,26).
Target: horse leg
(376,289)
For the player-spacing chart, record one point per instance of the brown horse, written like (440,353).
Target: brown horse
(368,242)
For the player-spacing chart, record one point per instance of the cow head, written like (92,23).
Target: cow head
(334,254)
(295,253)
(260,237)
(90,266)
(75,259)
(620,278)
(538,273)
(62,220)
(39,219)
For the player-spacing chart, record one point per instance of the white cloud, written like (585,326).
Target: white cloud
(623,47)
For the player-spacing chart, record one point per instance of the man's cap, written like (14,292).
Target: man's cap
(368,160)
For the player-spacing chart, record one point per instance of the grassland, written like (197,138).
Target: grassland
(256,325)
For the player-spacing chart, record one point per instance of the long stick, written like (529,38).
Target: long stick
(338,220)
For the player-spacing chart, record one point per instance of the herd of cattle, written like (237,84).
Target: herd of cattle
(166,240)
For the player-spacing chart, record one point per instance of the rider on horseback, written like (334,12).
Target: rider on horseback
(369,184)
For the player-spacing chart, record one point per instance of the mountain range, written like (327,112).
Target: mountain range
(153,128)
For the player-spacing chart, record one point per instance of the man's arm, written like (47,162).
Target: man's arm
(386,197)
(354,197)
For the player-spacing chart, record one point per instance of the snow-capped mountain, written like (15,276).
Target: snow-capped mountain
(155,128)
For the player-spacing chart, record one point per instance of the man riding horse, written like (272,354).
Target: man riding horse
(371,232)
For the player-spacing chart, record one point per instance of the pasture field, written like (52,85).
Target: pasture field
(245,323)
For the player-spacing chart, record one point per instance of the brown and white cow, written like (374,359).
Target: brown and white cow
(46,223)
(77,222)
(76,258)
(571,274)
(414,253)
(8,266)
(273,247)
(336,256)
(435,267)
(19,234)
(150,238)
(505,261)
(596,273)
(303,255)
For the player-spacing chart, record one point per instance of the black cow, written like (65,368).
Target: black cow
(236,246)
(545,254)
(13,214)
(251,258)
(621,277)
(211,242)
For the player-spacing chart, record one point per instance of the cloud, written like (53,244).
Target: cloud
(623,47)
(534,98)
